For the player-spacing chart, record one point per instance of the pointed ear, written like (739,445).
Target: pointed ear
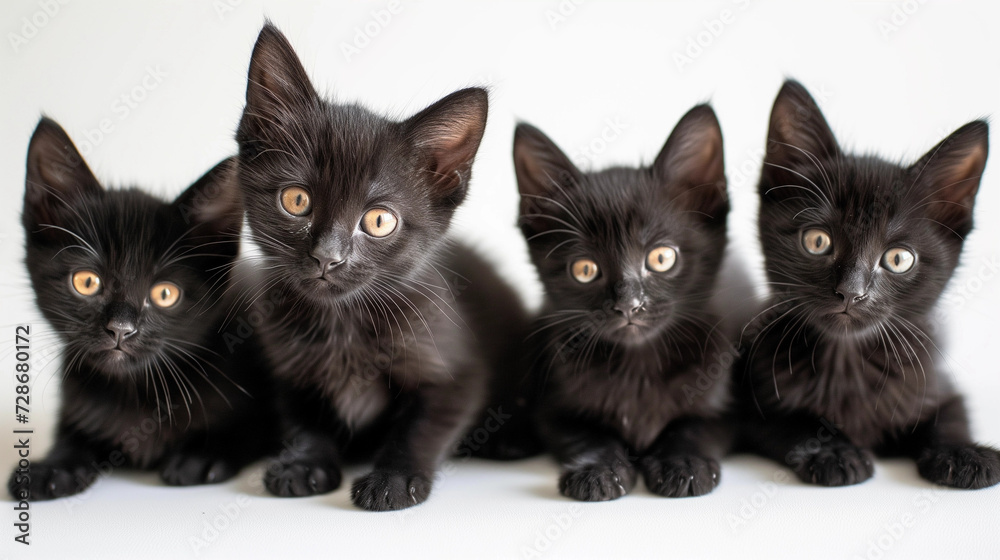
(543,173)
(797,135)
(691,165)
(277,84)
(57,177)
(447,135)
(951,173)
(212,210)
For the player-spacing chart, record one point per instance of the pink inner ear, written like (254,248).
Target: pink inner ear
(961,182)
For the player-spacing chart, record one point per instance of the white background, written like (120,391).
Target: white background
(893,91)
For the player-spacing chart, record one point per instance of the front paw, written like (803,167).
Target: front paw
(190,469)
(48,482)
(382,490)
(968,467)
(300,478)
(597,482)
(836,464)
(680,476)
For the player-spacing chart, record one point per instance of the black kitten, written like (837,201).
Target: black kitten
(636,373)
(370,333)
(126,281)
(858,251)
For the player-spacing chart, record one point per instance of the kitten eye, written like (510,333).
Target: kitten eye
(898,260)
(584,271)
(296,201)
(86,282)
(164,294)
(661,259)
(816,241)
(379,222)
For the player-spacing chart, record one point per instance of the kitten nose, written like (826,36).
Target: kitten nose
(629,307)
(327,260)
(850,297)
(121,322)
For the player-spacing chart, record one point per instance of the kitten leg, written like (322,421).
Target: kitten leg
(946,454)
(596,462)
(426,425)
(815,450)
(68,469)
(684,459)
(215,458)
(309,460)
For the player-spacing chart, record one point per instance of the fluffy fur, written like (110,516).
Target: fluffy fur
(634,373)
(383,346)
(142,386)
(842,363)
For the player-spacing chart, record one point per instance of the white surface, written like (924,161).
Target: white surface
(897,95)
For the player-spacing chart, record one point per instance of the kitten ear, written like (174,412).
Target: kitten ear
(543,173)
(277,83)
(691,164)
(212,210)
(798,135)
(57,177)
(447,134)
(951,172)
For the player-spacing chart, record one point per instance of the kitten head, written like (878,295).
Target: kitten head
(123,277)
(636,248)
(342,201)
(858,244)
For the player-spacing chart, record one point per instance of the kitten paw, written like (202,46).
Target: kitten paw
(48,482)
(680,476)
(188,470)
(836,464)
(388,491)
(300,479)
(597,483)
(969,467)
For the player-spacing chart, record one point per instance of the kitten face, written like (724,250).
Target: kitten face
(626,251)
(858,243)
(122,276)
(338,198)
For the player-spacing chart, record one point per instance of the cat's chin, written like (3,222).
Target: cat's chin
(116,362)
(630,334)
(845,326)
(322,290)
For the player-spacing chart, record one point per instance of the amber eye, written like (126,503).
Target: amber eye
(661,259)
(86,282)
(296,201)
(816,241)
(898,260)
(379,222)
(584,271)
(164,294)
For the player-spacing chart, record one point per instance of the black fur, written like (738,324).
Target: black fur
(621,395)
(380,356)
(142,387)
(841,363)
